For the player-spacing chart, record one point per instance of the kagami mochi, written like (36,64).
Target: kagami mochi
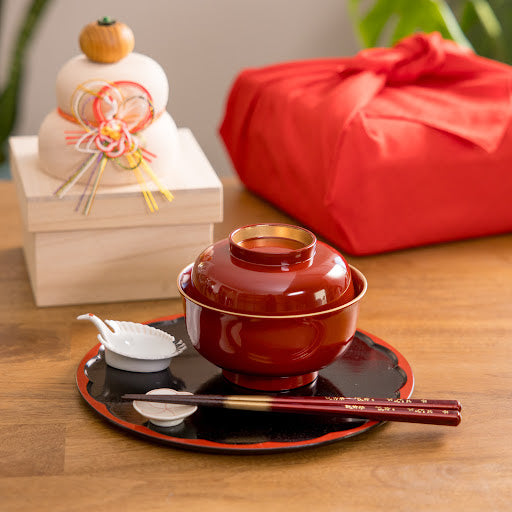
(116,199)
(110,126)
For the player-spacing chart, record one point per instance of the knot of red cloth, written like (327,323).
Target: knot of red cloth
(408,60)
(427,79)
(423,79)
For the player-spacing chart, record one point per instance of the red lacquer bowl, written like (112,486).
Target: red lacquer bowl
(271,305)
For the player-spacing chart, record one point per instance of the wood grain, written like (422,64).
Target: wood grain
(197,194)
(105,265)
(447,308)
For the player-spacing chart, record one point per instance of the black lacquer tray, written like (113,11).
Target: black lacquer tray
(369,367)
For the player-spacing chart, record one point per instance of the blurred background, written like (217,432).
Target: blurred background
(201,45)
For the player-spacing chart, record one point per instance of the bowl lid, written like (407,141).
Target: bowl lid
(271,269)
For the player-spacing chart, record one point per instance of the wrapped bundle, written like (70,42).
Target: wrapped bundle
(393,148)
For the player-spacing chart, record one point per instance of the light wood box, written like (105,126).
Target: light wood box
(120,251)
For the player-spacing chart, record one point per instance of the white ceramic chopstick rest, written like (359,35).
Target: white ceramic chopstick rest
(161,414)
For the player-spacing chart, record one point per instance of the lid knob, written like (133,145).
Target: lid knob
(272,244)
(106,40)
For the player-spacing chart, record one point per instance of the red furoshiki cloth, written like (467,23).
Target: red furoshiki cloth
(393,148)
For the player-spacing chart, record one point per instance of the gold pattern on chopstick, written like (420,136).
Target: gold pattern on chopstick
(251,398)
(367,399)
(343,398)
(250,405)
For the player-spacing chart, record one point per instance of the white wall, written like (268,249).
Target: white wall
(201,44)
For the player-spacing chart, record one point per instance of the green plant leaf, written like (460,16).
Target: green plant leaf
(407,17)
(371,26)
(450,22)
(487,18)
(479,20)
(9,97)
(407,25)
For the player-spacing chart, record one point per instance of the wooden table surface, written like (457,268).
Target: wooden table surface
(447,309)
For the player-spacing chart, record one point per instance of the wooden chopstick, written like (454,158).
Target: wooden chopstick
(342,400)
(439,412)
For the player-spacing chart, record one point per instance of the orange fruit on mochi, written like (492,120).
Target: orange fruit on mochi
(106,40)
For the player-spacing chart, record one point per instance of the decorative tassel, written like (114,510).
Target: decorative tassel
(61,191)
(121,110)
(88,205)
